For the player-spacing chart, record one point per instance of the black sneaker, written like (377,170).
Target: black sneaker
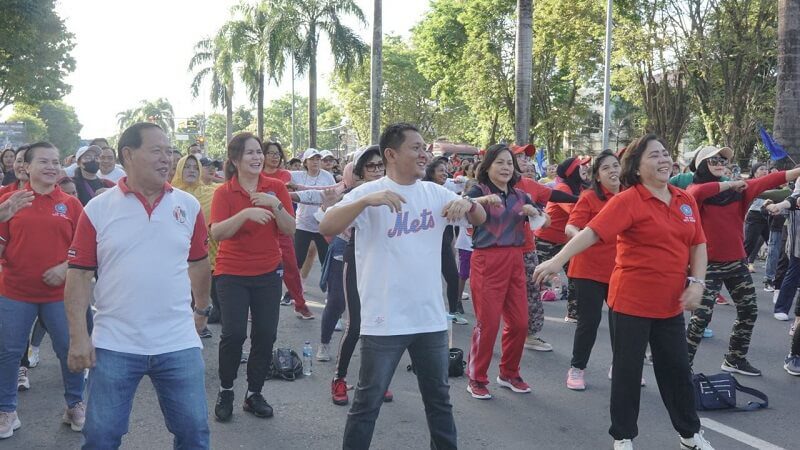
(741,366)
(256,405)
(286,300)
(223,410)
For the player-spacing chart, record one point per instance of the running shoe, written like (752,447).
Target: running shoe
(722,300)
(323,352)
(465,296)
(223,410)
(339,392)
(792,364)
(388,396)
(8,423)
(569,319)
(696,442)
(459,319)
(741,366)
(623,444)
(257,406)
(303,313)
(769,286)
(794,326)
(708,333)
(23,383)
(33,357)
(781,316)
(751,268)
(478,390)
(516,384)
(286,300)
(575,379)
(339,325)
(75,417)
(538,344)
(648,359)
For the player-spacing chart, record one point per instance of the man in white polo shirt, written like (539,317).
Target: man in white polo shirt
(399,223)
(148,244)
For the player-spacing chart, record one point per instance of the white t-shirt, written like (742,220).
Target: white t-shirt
(114,175)
(311,198)
(70,169)
(464,240)
(399,259)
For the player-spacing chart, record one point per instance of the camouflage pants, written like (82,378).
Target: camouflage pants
(739,282)
(546,250)
(535,307)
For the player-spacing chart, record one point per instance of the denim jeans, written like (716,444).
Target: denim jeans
(379,357)
(179,380)
(16,320)
(788,288)
(774,250)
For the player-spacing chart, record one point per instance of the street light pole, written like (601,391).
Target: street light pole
(607,87)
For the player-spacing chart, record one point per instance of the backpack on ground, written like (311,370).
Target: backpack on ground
(719,392)
(286,364)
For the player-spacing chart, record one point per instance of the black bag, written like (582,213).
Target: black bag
(455,366)
(719,392)
(286,364)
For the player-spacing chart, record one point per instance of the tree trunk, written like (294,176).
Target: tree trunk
(376,69)
(787,108)
(260,105)
(312,100)
(523,72)
(228,113)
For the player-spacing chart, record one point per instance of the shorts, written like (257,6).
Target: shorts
(463,263)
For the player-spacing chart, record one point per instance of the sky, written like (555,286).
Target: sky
(130,50)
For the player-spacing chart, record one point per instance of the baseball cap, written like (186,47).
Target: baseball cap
(325,154)
(86,148)
(310,153)
(709,151)
(528,150)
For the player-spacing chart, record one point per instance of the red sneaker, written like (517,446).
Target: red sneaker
(388,396)
(339,392)
(304,313)
(478,390)
(515,384)
(722,300)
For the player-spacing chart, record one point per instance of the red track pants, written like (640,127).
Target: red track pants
(291,273)
(497,279)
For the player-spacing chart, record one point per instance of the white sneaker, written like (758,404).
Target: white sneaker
(324,352)
(23,383)
(698,442)
(339,325)
(33,357)
(465,296)
(8,423)
(459,319)
(623,444)
(781,316)
(75,417)
(538,344)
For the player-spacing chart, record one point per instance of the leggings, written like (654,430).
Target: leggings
(535,307)
(450,270)
(756,233)
(335,305)
(591,296)
(302,239)
(353,330)
(546,250)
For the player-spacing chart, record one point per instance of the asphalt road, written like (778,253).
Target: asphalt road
(552,417)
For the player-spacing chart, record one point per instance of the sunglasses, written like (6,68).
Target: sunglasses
(373,167)
(717,161)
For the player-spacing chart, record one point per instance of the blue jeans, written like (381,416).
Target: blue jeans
(179,380)
(379,357)
(774,250)
(16,320)
(789,286)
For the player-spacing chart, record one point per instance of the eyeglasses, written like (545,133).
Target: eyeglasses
(717,161)
(272,153)
(374,167)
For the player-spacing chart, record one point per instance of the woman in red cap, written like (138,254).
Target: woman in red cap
(573,176)
(723,207)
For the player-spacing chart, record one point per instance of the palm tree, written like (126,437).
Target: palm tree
(258,43)
(214,58)
(787,109)
(524,72)
(159,112)
(126,118)
(376,69)
(306,20)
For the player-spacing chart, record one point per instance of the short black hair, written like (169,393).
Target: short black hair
(41,144)
(294,160)
(97,141)
(393,136)
(430,169)
(132,137)
(491,154)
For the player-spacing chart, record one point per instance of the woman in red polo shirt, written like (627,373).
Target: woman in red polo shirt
(34,244)
(247,214)
(723,207)
(20,176)
(659,242)
(573,176)
(591,270)
(497,273)
(273,163)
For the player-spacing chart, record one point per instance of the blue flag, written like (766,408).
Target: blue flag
(776,152)
(541,168)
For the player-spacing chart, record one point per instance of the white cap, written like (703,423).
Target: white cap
(310,153)
(85,149)
(326,153)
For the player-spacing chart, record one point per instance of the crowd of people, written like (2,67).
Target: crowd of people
(216,242)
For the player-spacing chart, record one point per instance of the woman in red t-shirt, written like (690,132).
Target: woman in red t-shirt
(273,168)
(34,244)
(659,242)
(591,270)
(248,213)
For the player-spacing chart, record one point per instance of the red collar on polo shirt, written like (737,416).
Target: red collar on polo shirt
(578,161)
(123,186)
(55,193)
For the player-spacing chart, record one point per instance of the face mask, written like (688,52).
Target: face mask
(91,166)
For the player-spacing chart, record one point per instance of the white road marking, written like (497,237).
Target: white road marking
(740,436)
(554,319)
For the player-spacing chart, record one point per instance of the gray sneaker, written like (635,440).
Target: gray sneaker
(459,319)
(792,364)
(538,344)
(8,423)
(75,417)
(23,382)
(324,352)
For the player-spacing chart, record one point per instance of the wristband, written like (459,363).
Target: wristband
(279,207)
(697,281)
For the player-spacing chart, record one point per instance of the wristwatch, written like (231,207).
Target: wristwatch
(696,280)
(205,312)
(471,200)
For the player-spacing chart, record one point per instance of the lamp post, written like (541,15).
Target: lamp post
(607,87)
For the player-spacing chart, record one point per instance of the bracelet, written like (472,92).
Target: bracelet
(697,281)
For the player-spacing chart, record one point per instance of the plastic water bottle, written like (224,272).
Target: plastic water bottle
(307,352)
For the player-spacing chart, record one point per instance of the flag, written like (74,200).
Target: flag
(541,164)
(776,152)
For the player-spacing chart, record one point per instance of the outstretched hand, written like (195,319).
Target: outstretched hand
(386,197)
